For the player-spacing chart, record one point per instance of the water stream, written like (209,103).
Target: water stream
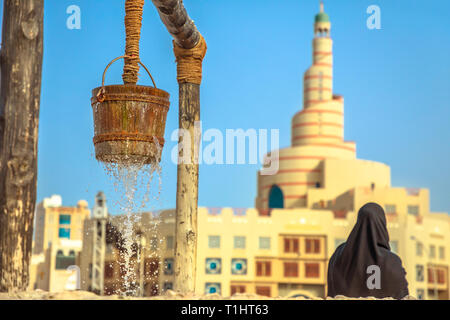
(134,188)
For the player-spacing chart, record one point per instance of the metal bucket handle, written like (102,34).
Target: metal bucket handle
(101,92)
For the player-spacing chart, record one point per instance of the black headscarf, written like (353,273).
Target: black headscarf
(368,244)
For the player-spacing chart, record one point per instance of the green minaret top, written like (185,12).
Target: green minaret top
(322,16)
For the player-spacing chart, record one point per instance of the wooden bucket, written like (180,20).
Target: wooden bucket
(129,121)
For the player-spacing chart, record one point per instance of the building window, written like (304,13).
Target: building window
(214,242)
(431,275)
(440,276)
(317,184)
(264,242)
(394,246)
(413,210)
(322,203)
(212,288)
(63,262)
(263,291)
(168,286)
(420,294)
(109,289)
(291,245)
(338,242)
(213,265)
(432,252)
(168,266)
(419,249)
(312,245)
(151,267)
(276,199)
(237,289)
(312,270)
(64,233)
(151,288)
(263,268)
(390,209)
(419,273)
(291,269)
(154,243)
(442,253)
(239,266)
(239,242)
(169,242)
(109,269)
(64,219)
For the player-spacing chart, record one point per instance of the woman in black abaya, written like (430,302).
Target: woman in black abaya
(365,256)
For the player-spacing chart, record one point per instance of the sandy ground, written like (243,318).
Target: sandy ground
(170,295)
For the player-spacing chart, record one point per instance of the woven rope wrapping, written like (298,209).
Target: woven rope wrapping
(133,24)
(189,62)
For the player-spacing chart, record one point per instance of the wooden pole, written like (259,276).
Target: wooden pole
(186,36)
(21,68)
(187,193)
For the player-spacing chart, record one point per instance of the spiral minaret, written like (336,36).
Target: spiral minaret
(321,120)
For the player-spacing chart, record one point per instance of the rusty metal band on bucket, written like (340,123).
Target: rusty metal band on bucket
(161,101)
(105,137)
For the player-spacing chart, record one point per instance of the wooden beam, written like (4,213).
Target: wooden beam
(177,21)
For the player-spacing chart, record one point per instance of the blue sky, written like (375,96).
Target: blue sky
(395,82)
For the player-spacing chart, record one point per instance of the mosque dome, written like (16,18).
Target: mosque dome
(322,17)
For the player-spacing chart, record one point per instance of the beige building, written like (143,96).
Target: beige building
(284,254)
(287,252)
(54,222)
(57,243)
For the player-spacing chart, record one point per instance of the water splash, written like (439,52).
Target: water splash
(133,183)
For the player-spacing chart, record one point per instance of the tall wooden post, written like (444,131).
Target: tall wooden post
(21,68)
(190,49)
(187,193)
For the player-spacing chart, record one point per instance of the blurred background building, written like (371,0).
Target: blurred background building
(58,235)
(285,253)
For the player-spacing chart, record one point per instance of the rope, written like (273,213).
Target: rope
(189,62)
(133,24)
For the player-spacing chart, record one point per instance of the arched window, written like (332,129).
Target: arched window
(59,253)
(276,199)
